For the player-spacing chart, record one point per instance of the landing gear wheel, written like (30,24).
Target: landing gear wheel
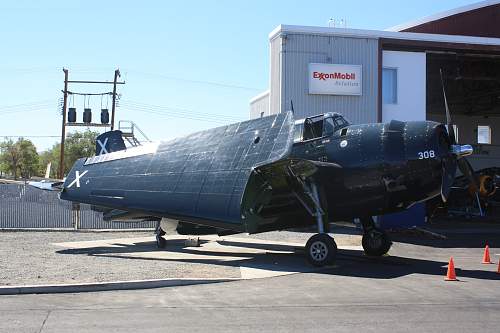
(376,243)
(161,243)
(321,250)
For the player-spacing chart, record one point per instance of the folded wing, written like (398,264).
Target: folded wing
(199,178)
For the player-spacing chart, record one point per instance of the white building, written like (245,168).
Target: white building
(376,76)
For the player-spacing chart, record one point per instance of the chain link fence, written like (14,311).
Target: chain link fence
(26,207)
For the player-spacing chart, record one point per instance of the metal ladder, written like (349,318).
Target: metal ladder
(129,130)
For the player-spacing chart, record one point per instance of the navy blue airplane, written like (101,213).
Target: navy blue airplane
(274,173)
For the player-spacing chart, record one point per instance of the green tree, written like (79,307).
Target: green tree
(19,158)
(28,158)
(9,157)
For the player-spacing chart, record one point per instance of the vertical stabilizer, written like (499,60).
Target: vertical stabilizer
(109,142)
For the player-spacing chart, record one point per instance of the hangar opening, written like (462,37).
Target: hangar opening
(412,89)
(472,84)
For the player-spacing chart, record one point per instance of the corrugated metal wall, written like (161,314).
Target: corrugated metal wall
(275,76)
(25,207)
(298,50)
(259,106)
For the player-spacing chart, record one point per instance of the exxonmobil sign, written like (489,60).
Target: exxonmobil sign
(335,79)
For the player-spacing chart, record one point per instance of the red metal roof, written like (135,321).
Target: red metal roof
(480,19)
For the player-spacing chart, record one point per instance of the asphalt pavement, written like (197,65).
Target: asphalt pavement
(401,292)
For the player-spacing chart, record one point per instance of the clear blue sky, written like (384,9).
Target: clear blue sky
(167,51)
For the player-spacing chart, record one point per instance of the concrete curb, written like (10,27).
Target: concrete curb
(105,286)
(76,230)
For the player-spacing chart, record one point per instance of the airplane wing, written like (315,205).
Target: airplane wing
(200,178)
(278,196)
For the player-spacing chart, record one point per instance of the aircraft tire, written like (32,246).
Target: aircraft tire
(376,243)
(321,250)
(161,242)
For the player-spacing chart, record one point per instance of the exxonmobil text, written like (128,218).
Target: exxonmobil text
(334,76)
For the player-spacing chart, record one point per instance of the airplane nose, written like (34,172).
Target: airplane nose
(448,160)
(444,144)
(452,156)
(447,148)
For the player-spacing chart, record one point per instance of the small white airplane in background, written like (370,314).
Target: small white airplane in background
(47,183)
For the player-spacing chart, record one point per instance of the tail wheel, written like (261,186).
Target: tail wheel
(161,243)
(376,243)
(321,250)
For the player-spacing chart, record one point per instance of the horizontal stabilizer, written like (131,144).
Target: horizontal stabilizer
(47,185)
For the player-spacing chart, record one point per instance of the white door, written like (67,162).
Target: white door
(403,86)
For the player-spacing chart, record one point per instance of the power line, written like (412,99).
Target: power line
(26,105)
(29,136)
(177,116)
(176,111)
(189,115)
(25,111)
(212,83)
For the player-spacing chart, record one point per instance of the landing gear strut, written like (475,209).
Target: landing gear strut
(375,241)
(161,243)
(321,248)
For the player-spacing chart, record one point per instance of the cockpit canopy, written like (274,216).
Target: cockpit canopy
(318,126)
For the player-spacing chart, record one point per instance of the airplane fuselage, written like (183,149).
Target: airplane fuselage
(384,167)
(246,177)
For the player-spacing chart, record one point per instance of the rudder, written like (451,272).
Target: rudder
(109,142)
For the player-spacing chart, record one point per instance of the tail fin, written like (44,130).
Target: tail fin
(109,142)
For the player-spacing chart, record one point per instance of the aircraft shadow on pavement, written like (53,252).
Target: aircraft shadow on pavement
(349,262)
(354,263)
(117,250)
(453,239)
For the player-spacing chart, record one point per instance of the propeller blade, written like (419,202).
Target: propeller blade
(468,172)
(449,125)
(449,171)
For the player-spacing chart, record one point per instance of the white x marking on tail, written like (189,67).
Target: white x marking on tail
(103,146)
(77,179)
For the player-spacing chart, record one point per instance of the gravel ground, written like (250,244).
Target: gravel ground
(32,258)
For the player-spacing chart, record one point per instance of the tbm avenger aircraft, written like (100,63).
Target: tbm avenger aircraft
(274,173)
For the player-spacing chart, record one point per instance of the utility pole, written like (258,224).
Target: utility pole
(113,106)
(66,92)
(63,131)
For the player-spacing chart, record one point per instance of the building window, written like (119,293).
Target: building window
(390,85)
(484,135)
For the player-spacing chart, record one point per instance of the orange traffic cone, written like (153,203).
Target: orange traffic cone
(450,275)
(486,256)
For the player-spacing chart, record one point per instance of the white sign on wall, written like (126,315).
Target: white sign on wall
(333,79)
